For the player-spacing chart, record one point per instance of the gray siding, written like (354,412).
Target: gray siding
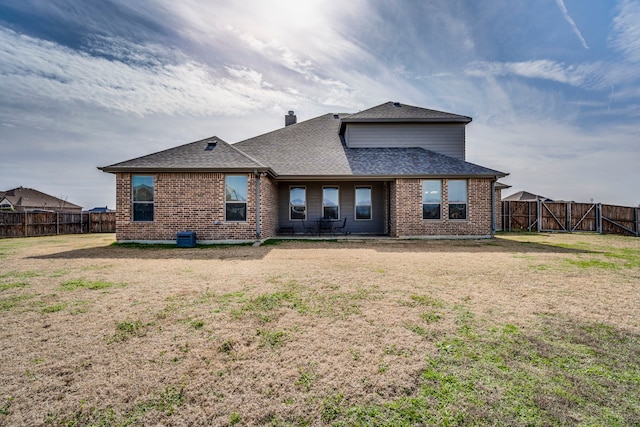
(347,205)
(447,139)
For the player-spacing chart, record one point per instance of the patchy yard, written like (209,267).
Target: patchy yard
(524,329)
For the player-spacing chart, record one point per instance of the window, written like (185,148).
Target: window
(330,203)
(297,203)
(431,198)
(236,198)
(363,202)
(142,198)
(457,199)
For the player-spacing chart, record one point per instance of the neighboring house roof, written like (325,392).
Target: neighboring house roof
(314,148)
(28,198)
(204,155)
(501,186)
(522,196)
(99,209)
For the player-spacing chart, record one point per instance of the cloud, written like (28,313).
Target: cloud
(574,75)
(574,27)
(625,35)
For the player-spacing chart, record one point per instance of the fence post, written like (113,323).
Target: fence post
(25,224)
(599,217)
(569,217)
(539,214)
(57,223)
(636,218)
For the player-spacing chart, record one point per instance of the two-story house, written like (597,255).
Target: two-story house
(393,170)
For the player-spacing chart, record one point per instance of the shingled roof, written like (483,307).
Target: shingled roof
(313,149)
(204,155)
(28,198)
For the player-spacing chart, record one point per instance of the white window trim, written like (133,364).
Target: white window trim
(337,187)
(133,202)
(422,203)
(246,203)
(466,202)
(355,203)
(305,202)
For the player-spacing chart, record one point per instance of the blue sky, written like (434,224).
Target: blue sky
(553,86)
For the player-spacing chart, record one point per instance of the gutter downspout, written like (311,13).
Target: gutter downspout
(257,204)
(493,207)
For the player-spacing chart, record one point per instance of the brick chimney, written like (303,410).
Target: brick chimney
(290,119)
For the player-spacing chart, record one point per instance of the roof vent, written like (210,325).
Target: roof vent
(336,116)
(210,145)
(396,104)
(290,119)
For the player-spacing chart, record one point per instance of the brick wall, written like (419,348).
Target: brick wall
(185,201)
(268,207)
(406,211)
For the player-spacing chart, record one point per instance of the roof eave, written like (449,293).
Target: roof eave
(384,177)
(460,119)
(152,170)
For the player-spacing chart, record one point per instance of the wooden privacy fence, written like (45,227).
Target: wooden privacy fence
(29,224)
(569,217)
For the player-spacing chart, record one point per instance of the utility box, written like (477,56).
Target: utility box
(186,239)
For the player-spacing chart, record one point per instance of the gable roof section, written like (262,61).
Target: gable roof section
(191,157)
(314,149)
(394,112)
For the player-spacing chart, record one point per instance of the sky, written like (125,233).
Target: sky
(553,86)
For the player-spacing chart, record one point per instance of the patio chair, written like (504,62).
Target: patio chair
(340,227)
(324,224)
(308,228)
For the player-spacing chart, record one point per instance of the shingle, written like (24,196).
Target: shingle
(394,111)
(314,148)
(410,161)
(192,156)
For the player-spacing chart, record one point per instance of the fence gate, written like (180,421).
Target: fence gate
(570,217)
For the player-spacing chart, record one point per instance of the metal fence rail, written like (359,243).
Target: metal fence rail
(29,224)
(570,217)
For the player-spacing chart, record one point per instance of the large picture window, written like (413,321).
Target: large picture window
(298,203)
(142,208)
(457,198)
(330,203)
(236,197)
(431,199)
(363,202)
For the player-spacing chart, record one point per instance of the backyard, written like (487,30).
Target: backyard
(523,329)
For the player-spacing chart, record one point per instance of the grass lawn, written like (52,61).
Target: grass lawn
(523,329)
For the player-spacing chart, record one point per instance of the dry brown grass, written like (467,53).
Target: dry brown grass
(93,332)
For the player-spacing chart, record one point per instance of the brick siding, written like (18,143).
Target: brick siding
(185,202)
(406,211)
(268,207)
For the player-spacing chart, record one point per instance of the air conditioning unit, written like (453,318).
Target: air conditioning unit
(186,239)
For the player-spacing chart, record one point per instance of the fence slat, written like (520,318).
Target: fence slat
(28,224)
(587,217)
